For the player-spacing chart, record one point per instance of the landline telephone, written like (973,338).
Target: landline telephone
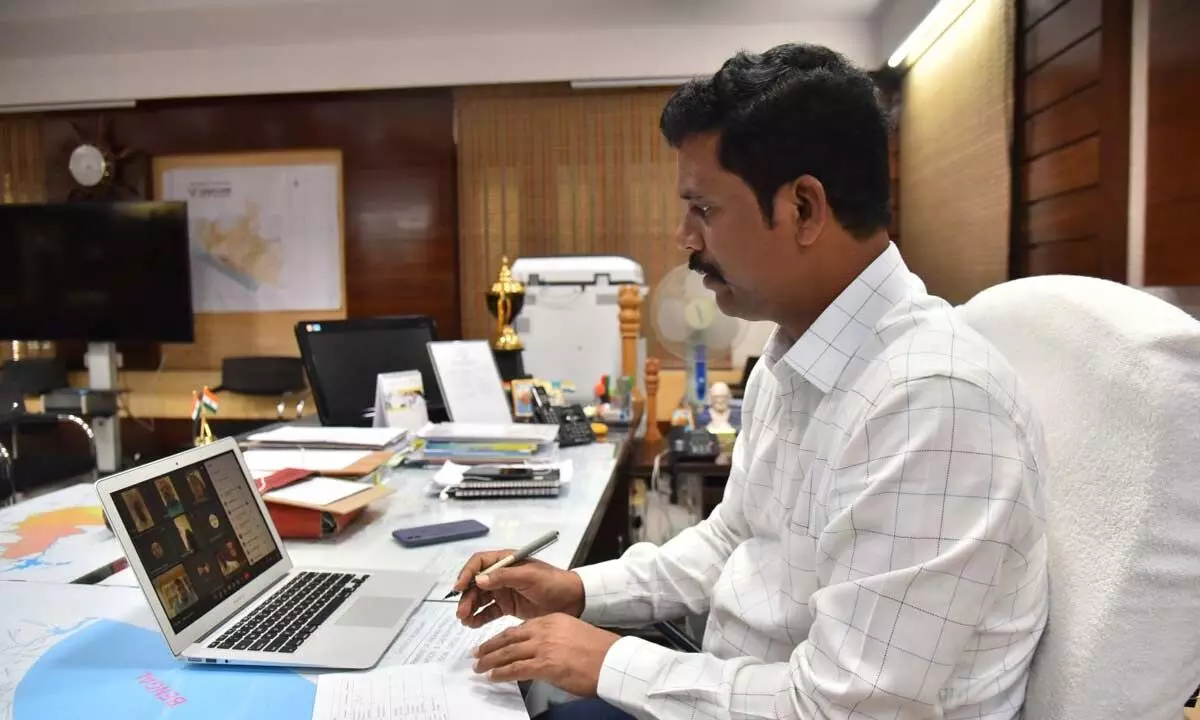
(695,444)
(574,427)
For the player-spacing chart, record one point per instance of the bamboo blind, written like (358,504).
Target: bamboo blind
(955,134)
(22,168)
(544,170)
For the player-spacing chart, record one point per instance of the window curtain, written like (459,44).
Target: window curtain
(546,170)
(955,161)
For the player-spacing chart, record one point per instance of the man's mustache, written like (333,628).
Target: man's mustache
(695,264)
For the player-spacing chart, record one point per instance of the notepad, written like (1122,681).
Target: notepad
(470,489)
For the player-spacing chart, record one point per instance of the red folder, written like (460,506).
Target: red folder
(298,520)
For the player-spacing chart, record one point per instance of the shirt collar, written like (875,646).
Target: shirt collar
(823,351)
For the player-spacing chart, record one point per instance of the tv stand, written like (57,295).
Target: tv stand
(101,362)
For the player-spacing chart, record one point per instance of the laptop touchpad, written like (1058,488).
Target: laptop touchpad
(375,612)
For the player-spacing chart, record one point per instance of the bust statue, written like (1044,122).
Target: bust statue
(719,411)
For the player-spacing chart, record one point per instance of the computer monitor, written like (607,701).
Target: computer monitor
(344,357)
(99,272)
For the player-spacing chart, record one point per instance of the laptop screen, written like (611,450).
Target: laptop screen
(199,535)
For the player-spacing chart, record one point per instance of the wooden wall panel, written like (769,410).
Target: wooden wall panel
(1172,244)
(1172,249)
(1072,257)
(1070,207)
(398,170)
(1069,72)
(1059,30)
(1066,217)
(1063,123)
(1074,167)
(1035,10)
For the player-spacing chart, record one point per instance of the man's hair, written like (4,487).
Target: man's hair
(794,110)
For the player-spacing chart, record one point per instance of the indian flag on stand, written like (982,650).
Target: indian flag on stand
(207,400)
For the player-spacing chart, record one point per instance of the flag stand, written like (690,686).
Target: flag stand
(202,404)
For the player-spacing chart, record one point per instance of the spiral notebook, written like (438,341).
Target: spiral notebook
(479,489)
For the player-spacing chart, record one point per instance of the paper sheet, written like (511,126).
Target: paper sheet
(272,460)
(318,491)
(448,561)
(416,692)
(377,438)
(470,382)
(434,635)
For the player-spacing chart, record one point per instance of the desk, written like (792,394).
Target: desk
(80,629)
(579,514)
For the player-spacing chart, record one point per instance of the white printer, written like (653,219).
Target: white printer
(570,324)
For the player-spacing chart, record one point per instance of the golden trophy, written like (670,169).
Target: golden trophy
(504,302)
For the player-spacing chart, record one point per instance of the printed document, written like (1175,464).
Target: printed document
(416,692)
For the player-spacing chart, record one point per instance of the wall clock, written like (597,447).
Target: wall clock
(89,165)
(102,169)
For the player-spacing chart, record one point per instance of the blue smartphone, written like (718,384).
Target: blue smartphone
(440,533)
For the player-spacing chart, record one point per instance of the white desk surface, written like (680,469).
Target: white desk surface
(58,628)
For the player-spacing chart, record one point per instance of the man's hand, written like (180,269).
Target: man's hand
(558,649)
(529,589)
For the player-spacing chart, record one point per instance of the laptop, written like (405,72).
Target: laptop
(219,580)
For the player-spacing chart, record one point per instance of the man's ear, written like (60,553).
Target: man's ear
(804,199)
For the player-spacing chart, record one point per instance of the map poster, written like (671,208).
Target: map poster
(59,537)
(266,235)
(83,651)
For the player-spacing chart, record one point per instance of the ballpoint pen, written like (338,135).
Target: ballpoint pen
(536,546)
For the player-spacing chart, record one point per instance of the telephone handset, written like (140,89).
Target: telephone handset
(574,428)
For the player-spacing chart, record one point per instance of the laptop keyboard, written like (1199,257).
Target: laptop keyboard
(292,614)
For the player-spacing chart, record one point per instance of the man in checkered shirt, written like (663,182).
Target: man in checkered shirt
(880,549)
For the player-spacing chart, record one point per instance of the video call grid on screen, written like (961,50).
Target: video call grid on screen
(199,534)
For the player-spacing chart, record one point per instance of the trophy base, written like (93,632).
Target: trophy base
(511,364)
(508,339)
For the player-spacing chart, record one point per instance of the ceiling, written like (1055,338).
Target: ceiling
(90,51)
(43,28)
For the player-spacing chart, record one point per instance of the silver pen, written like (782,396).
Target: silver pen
(536,546)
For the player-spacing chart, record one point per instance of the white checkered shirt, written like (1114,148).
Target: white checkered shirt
(880,549)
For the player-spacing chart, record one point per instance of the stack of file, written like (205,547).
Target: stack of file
(337,451)
(328,438)
(476,443)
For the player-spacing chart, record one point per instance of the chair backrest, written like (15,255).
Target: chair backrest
(12,400)
(1114,375)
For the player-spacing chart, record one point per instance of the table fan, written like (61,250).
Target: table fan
(689,324)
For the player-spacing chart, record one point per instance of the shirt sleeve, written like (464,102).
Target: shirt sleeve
(933,513)
(651,582)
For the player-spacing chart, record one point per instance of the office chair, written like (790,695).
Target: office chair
(1114,375)
(32,453)
(8,488)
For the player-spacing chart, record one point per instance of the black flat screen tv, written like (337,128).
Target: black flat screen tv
(99,272)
